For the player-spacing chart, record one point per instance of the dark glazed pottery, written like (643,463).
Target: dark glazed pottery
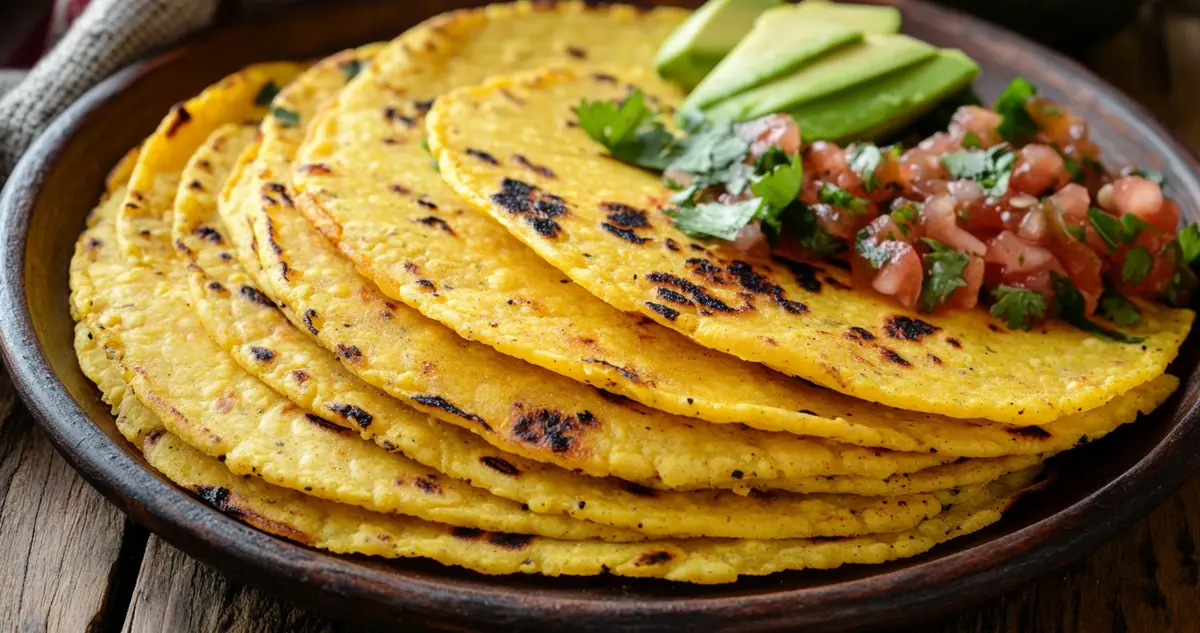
(1100,488)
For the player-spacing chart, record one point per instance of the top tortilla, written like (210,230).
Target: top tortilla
(799,318)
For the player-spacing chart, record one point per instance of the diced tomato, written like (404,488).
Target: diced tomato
(751,242)
(979,121)
(1011,254)
(1136,195)
(901,275)
(837,222)
(774,130)
(1039,168)
(938,221)
(966,297)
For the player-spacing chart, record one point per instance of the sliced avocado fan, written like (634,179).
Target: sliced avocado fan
(706,37)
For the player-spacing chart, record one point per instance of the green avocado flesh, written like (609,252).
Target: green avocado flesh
(872,110)
(759,57)
(706,37)
(869,19)
(842,69)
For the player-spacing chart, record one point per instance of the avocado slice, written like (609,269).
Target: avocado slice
(872,110)
(870,19)
(706,37)
(875,56)
(760,57)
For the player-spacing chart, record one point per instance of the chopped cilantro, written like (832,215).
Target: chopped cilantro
(835,196)
(778,189)
(1077,232)
(864,159)
(1016,126)
(1017,306)
(628,129)
(1116,231)
(905,216)
(1073,308)
(351,68)
(1138,263)
(1155,177)
(715,219)
(1189,244)
(1183,281)
(871,250)
(1073,167)
(971,141)
(991,168)
(266,94)
(1133,226)
(944,268)
(286,118)
(1116,308)
(809,233)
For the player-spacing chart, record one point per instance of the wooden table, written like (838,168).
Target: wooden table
(72,563)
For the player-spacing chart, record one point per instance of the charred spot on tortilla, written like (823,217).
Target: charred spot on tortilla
(907,328)
(541,170)
(576,52)
(195,185)
(216,286)
(428,485)
(308,317)
(667,313)
(805,274)
(671,245)
(423,107)
(400,189)
(500,465)
(666,294)
(427,203)
(179,118)
(654,558)
(427,285)
(255,295)
(349,352)
(262,354)
(550,429)
(351,412)
(624,215)
(698,294)
(208,233)
(955,343)
(439,402)
(299,375)
(859,334)
(604,78)
(892,356)
(933,358)
(483,156)
(626,234)
(433,220)
(218,498)
(319,421)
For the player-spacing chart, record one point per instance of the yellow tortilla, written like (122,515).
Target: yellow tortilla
(802,319)
(516,407)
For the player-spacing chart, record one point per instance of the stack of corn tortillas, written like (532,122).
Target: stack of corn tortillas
(413,312)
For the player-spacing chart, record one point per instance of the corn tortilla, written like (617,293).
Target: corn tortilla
(802,319)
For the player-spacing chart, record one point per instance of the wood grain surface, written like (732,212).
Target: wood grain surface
(70,562)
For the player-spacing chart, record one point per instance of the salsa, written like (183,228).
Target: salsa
(1009,207)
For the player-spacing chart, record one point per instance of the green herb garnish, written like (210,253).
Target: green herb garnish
(905,216)
(1189,244)
(971,141)
(628,129)
(864,160)
(1073,167)
(991,168)
(1118,309)
(835,196)
(286,118)
(1017,306)
(1073,308)
(867,246)
(1115,231)
(1138,263)
(1017,126)
(944,268)
(810,235)
(351,68)
(714,219)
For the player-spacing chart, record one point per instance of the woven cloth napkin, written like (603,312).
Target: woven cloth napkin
(105,37)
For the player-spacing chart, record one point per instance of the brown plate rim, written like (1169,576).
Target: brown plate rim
(342,586)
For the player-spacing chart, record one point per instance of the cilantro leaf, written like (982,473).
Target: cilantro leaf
(1155,177)
(1016,126)
(971,141)
(905,216)
(835,196)
(864,159)
(1017,306)
(1138,262)
(1116,308)
(628,129)
(944,268)
(991,168)
(266,94)
(1133,226)
(1077,232)
(1189,244)
(1073,308)
(1108,228)
(778,189)
(1183,281)
(715,219)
